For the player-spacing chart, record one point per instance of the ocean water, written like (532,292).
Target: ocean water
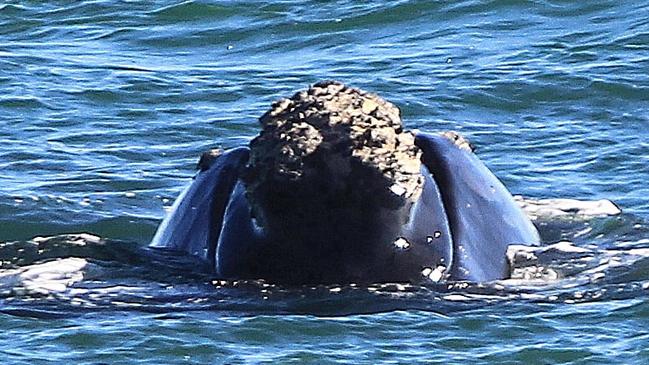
(105,107)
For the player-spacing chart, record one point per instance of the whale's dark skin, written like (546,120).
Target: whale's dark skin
(460,227)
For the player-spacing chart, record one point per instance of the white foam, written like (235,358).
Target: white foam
(49,277)
(542,208)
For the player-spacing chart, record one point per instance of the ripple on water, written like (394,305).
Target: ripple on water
(107,105)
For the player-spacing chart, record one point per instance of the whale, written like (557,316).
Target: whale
(333,220)
(463,222)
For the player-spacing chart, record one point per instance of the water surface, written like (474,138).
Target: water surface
(106,106)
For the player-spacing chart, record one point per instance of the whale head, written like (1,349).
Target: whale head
(334,190)
(331,174)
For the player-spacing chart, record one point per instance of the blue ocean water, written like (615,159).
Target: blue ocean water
(105,107)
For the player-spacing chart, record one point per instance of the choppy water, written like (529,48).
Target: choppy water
(106,105)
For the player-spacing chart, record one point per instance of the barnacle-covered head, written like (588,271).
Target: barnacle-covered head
(332,156)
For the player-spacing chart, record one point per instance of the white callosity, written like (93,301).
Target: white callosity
(435,275)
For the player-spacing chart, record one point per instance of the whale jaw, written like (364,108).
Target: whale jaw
(483,218)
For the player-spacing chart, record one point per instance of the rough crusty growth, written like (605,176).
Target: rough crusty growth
(459,140)
(335,140)
(208,158)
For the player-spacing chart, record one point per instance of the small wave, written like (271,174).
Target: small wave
(618,89)
(187,11)
(22,102)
